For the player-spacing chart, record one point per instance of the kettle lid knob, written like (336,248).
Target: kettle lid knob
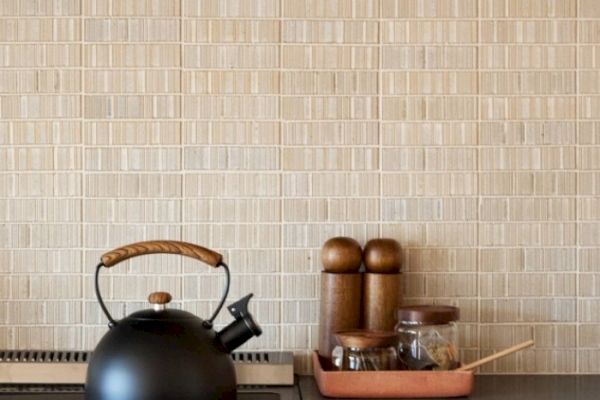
(159,300)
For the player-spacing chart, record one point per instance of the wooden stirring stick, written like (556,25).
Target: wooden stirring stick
(496,356)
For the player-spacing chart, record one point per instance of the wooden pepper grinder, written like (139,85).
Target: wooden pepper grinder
(381,284)
(341,286)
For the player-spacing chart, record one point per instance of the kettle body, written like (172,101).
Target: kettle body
(161,353)
(175,357)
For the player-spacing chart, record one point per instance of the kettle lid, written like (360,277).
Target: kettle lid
(159,310)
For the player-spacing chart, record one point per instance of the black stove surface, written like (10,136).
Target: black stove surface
(80,396)
(76,392)
(42,396)
(39,392)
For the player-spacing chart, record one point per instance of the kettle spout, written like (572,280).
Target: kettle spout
(242,329)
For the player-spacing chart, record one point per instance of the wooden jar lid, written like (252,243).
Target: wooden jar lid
(428,314)
(366,339)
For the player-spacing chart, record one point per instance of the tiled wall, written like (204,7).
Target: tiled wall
(469,130)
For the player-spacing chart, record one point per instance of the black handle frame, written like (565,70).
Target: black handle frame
(207,324)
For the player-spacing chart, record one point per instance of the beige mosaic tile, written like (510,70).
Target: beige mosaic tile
(466,129)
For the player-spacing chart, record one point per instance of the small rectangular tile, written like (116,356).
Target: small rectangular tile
(523,31)
(132,106)
(429,9)
(40,107)
(132,55)
(40,30)
(232,8)
(131,30)
(318,9)
(330,57)
(429,31)
(530,9)
(230,82)
(231,31)
(208,107)
(330,31)
(233,132)
(257,56)
(46,8)
(148,8)
(528,57)
(429,57)
(332,133)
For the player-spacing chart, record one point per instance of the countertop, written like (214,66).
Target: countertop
(510,387)
(487,387)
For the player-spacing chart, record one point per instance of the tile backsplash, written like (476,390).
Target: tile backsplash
(469,130)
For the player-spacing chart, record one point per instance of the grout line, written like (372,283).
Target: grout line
(337,146)
(281,174)
(577,191)
(83,249)
(267,274)
(374,221)
(292,44)
(478,205)
(396,18)
(123,120)
(268,172)
(270,69)
(182,215)
(253,96)
(409,44)
(380,113)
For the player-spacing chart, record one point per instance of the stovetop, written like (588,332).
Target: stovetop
(54,375)
(76,392)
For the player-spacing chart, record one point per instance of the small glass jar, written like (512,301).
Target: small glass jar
(364,350)
(428,337)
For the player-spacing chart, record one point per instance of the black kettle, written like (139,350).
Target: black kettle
(161,353)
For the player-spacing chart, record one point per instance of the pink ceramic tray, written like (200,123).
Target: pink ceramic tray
(391,384)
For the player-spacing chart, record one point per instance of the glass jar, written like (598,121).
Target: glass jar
(364,350)
(428,337)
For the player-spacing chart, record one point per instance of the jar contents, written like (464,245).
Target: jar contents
(427,337)
(364,350)
(353,359)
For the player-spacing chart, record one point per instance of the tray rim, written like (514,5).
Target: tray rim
(322,378)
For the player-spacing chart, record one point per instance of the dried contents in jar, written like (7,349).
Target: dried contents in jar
(427,337)
(430,351)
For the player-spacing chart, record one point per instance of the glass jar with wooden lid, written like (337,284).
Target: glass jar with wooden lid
(365,350)
(427,337)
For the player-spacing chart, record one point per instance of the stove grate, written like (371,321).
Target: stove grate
(43,356)
(6,388)
(69,367)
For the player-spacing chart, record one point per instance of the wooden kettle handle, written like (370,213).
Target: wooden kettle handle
(203,254)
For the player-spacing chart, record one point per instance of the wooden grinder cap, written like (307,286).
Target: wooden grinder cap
(341,255)
(383,256)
